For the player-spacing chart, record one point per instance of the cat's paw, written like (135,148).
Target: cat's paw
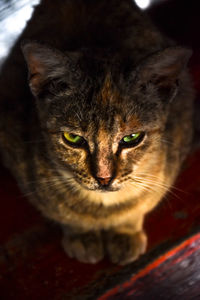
(86,247)
(125,248)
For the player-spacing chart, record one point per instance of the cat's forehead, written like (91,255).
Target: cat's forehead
(110,99)
(104,124)
(104,101)
(109,109)
(108,92)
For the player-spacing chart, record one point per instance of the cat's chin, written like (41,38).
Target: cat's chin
(103,189)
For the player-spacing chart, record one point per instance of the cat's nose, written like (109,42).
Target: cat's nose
(104,180)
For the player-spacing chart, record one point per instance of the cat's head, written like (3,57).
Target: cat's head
(103,120)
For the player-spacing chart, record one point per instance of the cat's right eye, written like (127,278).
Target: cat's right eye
(132,140)
(73,139)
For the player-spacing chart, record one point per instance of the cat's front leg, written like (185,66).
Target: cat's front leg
(124,246)
(86,247)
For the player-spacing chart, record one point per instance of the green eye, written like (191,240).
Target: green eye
(73,139)
(132,140)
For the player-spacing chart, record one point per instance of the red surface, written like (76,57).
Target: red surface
(176,256)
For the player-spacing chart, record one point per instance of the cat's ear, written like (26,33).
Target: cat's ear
(43,63)
(165,67)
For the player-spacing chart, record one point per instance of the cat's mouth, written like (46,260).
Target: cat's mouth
(107,189)
(102,189)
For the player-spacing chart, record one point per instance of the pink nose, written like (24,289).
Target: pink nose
(104,181)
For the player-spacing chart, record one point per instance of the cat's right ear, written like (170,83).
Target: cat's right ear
(166,65)
(43,63)
(164,68)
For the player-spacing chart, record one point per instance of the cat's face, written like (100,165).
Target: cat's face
(102,125)
(101,142)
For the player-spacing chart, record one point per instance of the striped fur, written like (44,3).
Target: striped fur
(100,70)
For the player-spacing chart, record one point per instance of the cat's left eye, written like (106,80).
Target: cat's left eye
(73,139)
(132,140)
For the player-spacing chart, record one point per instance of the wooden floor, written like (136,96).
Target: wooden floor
(33,264)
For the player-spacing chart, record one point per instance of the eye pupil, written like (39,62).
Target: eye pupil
(73,139)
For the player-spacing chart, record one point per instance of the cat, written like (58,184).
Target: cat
(98,136)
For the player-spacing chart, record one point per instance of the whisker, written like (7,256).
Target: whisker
(165,188)
(171,186)
(145,188)
(150,181)
(51,180)
(168,142)
(41,188)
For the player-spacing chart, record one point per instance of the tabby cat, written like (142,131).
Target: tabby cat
(99,135)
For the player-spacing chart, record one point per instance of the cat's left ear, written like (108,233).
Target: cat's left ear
(165,67)
(46,64)
(42,62)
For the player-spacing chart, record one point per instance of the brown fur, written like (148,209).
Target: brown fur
(99,70)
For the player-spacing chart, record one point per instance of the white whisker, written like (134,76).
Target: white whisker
(154,185)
